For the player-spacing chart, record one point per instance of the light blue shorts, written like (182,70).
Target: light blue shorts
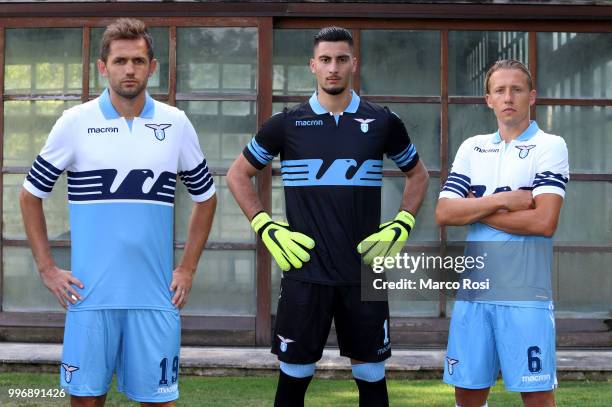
(142,346)
(485,338)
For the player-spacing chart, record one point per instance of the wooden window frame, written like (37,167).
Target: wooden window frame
(256,330)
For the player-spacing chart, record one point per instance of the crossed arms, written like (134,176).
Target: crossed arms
(516,212)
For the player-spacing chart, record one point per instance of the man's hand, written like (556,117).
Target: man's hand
(389,240)
(60,282)
(286,246)
(182,279)
(518,200)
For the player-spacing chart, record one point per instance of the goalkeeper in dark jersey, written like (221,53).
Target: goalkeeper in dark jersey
(331,150)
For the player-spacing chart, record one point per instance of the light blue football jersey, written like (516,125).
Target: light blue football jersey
(121,187)
(485,165)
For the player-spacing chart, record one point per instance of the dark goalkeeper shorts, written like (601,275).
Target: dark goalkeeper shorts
(304,317)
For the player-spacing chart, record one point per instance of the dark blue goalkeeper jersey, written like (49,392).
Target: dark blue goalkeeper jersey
(332,175)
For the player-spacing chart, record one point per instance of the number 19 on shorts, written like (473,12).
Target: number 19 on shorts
(163,365)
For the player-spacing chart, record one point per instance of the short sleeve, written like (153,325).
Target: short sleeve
(552,169)
(193,169)
(398,146)
(458,183)
(267,143)
(54,158)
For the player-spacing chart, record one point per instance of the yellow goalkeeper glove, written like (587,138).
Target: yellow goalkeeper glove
(389,239)
(286,246)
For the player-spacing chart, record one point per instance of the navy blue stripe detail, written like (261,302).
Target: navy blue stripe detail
(34,174)
(202,190)
(75,182)
(463,177)
(199,184)
(38,184)
(457,186)
(548,174)
(458,180)
(551,183)
(42,170)
(451,189)
(191,181)
(190,173)
(48,165)
(86,189)
(202,176)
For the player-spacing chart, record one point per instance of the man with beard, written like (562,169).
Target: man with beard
(122,152)
(331,151)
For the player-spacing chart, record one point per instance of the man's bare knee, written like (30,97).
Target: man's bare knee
(471,397)
(539,399)
(87,401)
(164,404)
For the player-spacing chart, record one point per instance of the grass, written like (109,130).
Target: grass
(259,392)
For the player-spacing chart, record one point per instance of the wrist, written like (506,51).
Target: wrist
(191,269)
(406,217)
(499,202)
(259,221)
(46,267)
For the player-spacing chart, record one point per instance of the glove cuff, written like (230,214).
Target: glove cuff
(260,220)
(406,218)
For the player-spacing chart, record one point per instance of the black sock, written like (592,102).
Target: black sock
(373,394)
(290,391)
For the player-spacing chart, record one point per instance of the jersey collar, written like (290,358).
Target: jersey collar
(319,109)
(109,112)
(524,136)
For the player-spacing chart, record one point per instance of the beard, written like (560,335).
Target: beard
(333,91)
(129,93)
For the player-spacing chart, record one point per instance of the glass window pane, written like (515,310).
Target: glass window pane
(586,131)
(586,226)
(413,303)
(23,290)
(582,284)
(291,54)
(26,127)
(465,121)
(574,66)
(224,283)
(471,53)
(43,60)
(158,82)
(216,60)
(224,128)
(426,229)
(55,207)
(229,224)
(395,62)
(422,120)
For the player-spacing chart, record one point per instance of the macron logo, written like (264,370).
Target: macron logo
(103,130)
(305,123)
